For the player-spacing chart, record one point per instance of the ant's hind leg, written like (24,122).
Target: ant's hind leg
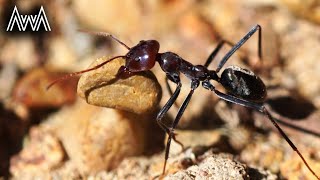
(215,52)
(262,109)
(240,43)
(105,35)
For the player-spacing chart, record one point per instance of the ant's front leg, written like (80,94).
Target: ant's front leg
(170,91)
(174,78)
(194,85)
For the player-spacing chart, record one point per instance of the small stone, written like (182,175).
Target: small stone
(32,93)
(97,138)
(43,153)
(139,94)
(219,166)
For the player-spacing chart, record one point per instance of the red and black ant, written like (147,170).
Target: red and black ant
(243,86)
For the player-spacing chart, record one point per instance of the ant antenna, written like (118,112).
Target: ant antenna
(105,35)
(81,72)
(96,67)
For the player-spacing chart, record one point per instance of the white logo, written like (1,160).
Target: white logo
(22,20)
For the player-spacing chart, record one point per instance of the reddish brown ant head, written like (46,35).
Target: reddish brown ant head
(142,57)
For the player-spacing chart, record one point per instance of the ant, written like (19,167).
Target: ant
(243,86)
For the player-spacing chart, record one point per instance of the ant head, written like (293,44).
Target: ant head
(142,57)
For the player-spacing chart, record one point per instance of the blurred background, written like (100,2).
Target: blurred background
(46,134)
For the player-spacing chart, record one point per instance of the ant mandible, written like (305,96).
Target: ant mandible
(243,86)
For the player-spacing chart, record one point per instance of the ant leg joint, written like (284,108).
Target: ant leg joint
(207,85)
(194,84)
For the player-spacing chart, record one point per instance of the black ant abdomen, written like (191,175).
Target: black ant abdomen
(244,84)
